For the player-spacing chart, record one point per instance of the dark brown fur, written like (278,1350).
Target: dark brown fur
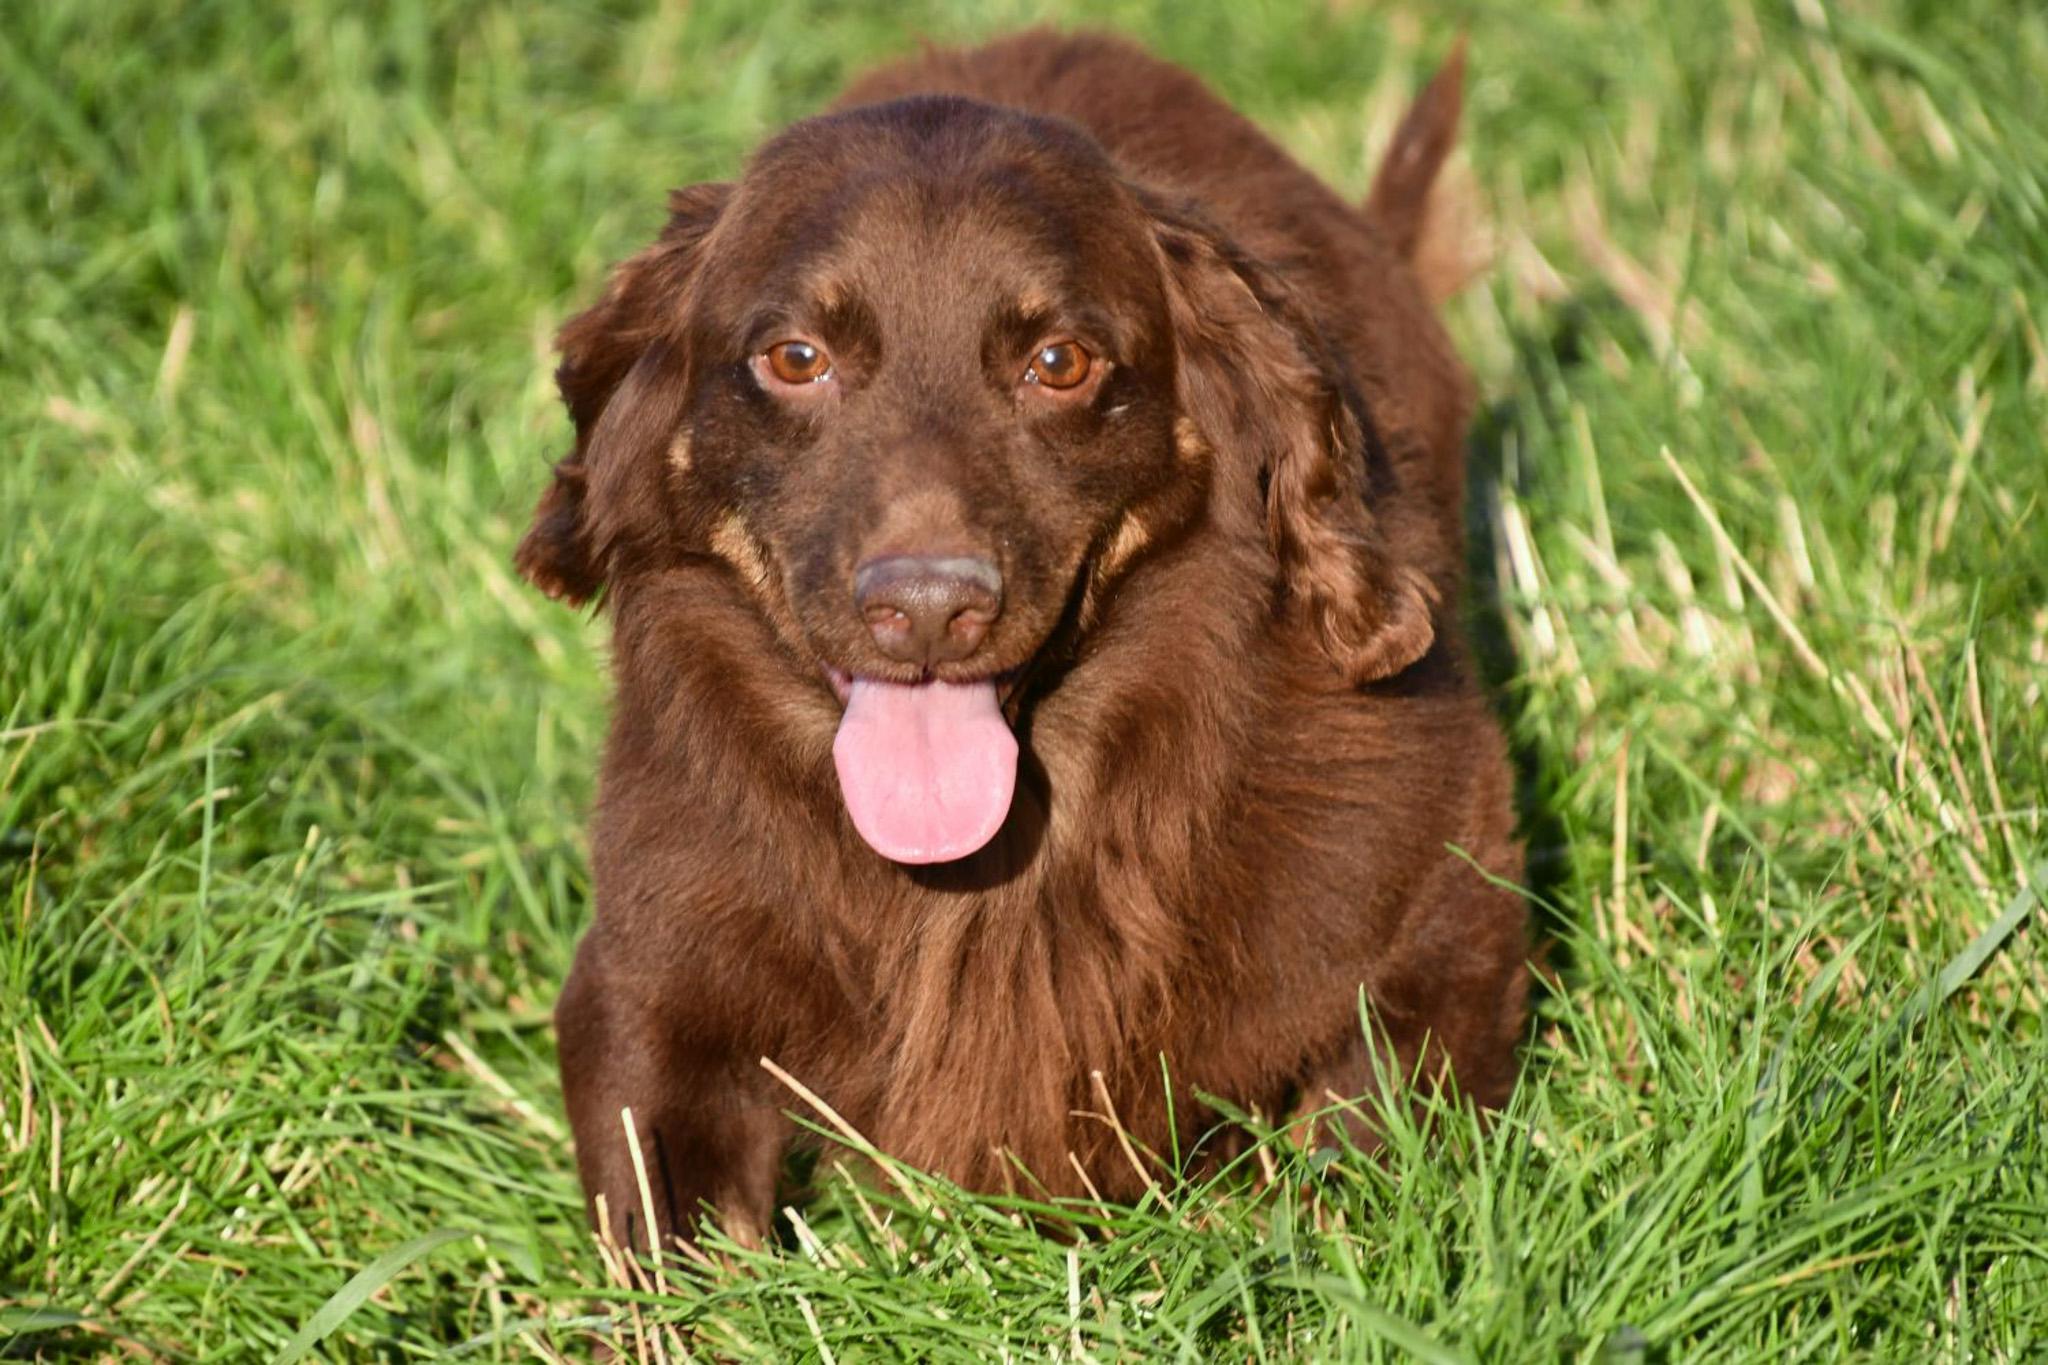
(1250,736)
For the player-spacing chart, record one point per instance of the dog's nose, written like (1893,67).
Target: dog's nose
(928,610)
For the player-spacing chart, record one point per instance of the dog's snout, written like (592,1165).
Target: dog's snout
(928,610)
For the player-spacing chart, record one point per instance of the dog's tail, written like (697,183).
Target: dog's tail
(1431,220)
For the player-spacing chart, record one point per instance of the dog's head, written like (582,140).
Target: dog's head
(926,382)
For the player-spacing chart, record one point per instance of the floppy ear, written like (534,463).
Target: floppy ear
(1257,380)
(621,377)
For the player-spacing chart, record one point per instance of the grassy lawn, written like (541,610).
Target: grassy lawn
(293,770)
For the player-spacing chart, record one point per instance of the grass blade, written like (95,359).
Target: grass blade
(358,1290)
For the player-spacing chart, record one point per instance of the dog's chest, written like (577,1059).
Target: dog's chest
(1007,1031)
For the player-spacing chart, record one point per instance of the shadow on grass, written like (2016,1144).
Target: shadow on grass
(1515,419)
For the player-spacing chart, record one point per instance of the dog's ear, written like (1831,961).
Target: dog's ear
(622,377)
(1259,383)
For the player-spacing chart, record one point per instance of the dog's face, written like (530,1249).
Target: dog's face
(927,377)
(926,381)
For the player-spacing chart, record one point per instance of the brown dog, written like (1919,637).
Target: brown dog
(1028,508)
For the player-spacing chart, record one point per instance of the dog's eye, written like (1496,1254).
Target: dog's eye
(1062,365)
(798,362)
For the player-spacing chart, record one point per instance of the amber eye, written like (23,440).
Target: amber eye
(798,362)
(1062,365)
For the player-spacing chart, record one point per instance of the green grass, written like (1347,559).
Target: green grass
(293,771)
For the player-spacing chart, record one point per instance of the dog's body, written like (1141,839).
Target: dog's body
(1227,560)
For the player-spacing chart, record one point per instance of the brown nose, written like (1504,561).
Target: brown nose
(925,610)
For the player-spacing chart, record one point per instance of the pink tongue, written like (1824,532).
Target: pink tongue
(926,769)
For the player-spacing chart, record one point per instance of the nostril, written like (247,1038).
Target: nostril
(969,626)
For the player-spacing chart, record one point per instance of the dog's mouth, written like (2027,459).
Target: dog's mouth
(927,769)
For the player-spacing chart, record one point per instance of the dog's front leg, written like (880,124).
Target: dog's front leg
(709,1136)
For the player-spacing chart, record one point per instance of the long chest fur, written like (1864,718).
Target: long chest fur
(1019,1027)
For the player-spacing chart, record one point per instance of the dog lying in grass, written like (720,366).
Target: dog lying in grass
(1028,508)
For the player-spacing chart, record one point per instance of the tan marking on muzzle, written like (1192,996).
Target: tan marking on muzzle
(679,453)
(1132,535)
(732,542)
